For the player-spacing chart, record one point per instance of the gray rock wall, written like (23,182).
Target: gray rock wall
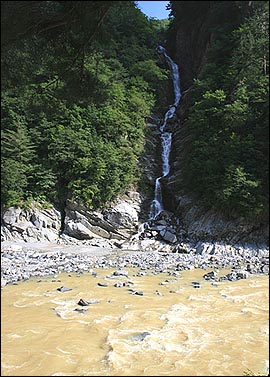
(119,221)
(189,47)
(30,224)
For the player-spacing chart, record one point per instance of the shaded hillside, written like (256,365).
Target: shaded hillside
(220,146)
(78,81)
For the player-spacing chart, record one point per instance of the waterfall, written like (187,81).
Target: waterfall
(166,137)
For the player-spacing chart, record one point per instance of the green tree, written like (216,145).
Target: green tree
(74,107)
(226,165)
(17,152)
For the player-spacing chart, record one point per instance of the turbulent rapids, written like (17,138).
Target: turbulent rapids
(143,324)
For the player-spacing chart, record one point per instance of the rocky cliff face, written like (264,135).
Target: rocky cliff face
(189,45)
(77,222)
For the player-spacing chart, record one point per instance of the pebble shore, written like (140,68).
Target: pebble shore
(21,263)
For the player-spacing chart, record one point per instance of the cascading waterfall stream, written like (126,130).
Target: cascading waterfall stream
(166,137)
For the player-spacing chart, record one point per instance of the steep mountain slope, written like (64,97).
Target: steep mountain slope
(78,82)
(219,159)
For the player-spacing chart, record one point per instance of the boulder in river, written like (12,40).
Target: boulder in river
(64,289)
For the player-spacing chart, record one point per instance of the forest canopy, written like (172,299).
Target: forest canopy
(79,79)
(226,165)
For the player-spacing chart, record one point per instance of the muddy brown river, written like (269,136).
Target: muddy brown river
(173,329)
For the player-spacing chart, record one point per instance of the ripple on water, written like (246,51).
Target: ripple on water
(9,366)
(65,308)
(195,331)
(21,304)
(14,336)
(31,294)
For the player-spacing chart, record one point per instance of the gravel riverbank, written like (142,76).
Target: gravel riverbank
(21,261)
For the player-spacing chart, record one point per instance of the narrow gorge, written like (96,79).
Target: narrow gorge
(134,188)
(84,160)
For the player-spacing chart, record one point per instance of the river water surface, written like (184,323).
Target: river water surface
(173,329)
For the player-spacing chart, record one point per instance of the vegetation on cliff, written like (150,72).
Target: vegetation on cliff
(226,165)
(78,80)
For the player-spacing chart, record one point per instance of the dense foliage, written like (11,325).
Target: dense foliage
(227,163)
(80,77)
(78,80)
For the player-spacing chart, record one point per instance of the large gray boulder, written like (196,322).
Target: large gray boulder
(32,223)
(123,215)
(11,215)
(79,231)
(168,236)
(86,221)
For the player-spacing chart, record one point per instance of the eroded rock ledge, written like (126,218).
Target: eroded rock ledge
(121,225)
(118,222)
